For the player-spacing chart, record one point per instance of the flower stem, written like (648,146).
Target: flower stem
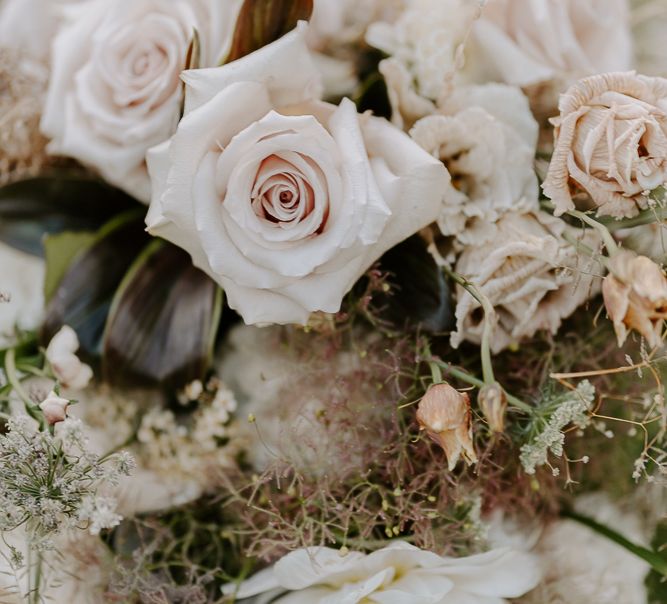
(15,382)
(489,318)
(658,563)
(608,240)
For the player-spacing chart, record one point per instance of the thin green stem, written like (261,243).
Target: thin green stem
(649,216)
(607,238)
(658,563)
(489,317)
(473,381)
(15,382)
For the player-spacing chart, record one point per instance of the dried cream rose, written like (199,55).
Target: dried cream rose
(486,137)
(283,199)
(530,274)
(445,415)
(425,45)
(524,42)
(611,141)
(635,296)
(115,90)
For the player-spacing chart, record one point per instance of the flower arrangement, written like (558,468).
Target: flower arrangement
(330,301)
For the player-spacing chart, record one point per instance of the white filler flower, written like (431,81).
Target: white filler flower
(398,573)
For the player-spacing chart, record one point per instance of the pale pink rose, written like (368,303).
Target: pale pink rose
(611,142)
(524,42)
(282,199)
(115,89)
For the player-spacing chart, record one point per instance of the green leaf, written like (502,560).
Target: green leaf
(656,583)
(162,325)
(83,296)
(261,22)
(31,208)
(59,251)
(419,295)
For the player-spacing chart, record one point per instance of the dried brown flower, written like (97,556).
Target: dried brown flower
(635,295)
(493,403)
(445,415)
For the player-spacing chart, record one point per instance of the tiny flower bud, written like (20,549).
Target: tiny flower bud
(194,390)
(492,401)
(54,408)
(635,296)
(67,367)
(445,415)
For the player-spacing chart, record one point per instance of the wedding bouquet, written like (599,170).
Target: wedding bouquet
(333,301)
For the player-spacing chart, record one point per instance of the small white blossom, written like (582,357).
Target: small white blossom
(574,408)
(67,367)
(100,512)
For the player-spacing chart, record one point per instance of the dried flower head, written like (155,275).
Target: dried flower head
(611,141)
(445,415)
(54,408)
(635,296)
(47,479)
(493,403)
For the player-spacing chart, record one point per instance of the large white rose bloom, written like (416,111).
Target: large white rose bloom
(395,574)
(282,199)
(525,42)
(115,90)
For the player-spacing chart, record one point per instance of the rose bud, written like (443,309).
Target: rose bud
(54,408)
(492,401)
(445,415)
(635,296)
(67,367)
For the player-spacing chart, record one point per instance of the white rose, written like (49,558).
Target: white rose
(486,137)
(399,572)
(524,42)
(284,200)
(530,274)
(115,89)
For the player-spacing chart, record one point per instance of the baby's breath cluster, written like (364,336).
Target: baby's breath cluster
(50,481)
(571,408)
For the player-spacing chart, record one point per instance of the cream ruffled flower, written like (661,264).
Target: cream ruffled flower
(530,274)
(282,199)
(524,42)
(486,137)
(635,295)
(425,45)
(67,367)
(54,408)
(398,573)
(611,141)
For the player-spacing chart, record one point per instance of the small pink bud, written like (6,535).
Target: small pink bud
(54,408)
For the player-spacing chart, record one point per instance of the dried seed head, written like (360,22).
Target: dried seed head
(445,415)
(492,401)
